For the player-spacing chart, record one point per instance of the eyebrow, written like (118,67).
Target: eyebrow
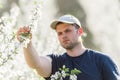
(66,30)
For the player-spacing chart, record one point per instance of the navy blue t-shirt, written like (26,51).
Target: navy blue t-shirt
(92,64)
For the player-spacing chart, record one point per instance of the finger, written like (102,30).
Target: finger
(23,30)
(18,36)
(20,31)
(27,29)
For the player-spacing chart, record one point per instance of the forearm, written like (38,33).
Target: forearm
(31,55)
(42,64)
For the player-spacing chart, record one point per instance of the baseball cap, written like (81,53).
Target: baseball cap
(70,19)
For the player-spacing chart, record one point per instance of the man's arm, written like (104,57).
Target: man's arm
(42,64)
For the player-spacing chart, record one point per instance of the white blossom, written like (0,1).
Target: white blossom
(73,77)
(60,75)
(63,73)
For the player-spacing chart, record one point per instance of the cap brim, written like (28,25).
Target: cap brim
(54,23)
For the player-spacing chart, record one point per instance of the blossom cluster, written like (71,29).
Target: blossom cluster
(11,56)
(36,14)
(7,35)
(64,72)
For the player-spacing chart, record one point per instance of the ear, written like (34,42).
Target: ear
(80,31)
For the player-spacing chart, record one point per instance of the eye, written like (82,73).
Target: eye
(59,33)
(68,30)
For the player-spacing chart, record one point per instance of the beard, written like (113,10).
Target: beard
(70,45)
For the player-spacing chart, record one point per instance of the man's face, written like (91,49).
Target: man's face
(68,35)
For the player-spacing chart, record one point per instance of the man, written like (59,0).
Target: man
(92,64)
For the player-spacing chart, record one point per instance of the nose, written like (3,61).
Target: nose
(64,36)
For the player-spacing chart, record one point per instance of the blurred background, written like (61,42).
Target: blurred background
(100,20)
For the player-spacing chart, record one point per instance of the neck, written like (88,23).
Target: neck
(77,51)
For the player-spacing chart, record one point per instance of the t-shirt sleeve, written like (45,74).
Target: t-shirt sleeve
(54,62)
(109,69)
(54,65)
(57,62)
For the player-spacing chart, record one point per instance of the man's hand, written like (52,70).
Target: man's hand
(24,32)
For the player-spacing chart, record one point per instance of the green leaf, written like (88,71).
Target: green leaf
(75,71)
(25,34)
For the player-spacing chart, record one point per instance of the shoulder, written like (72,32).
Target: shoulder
(99,57)
(98,54)
(102,59)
